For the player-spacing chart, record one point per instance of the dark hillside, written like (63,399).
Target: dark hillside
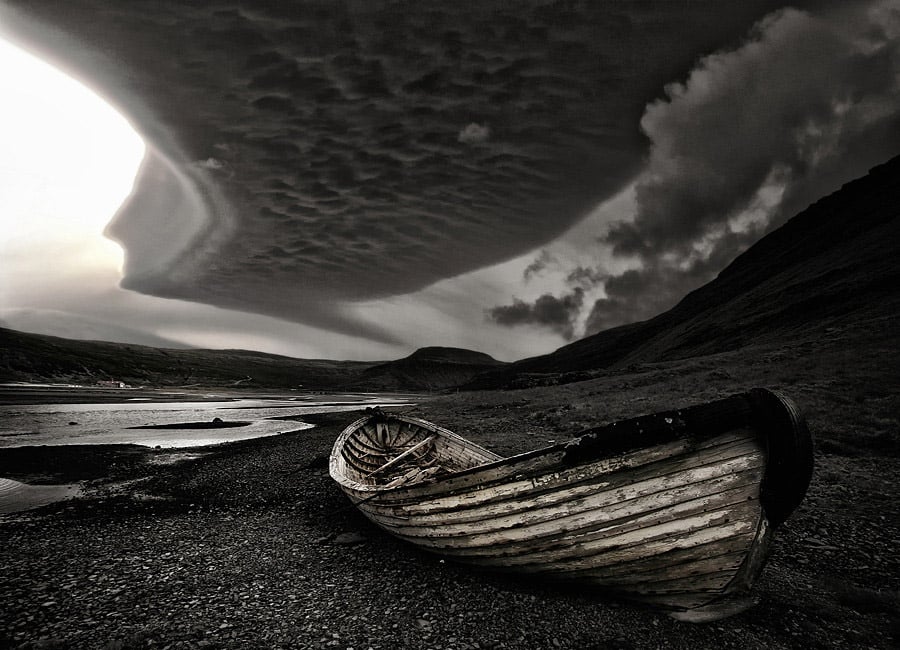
(432,368)
(39,358)
(34,357)
(835,263)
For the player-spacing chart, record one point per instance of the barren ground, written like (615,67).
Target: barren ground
(253,546)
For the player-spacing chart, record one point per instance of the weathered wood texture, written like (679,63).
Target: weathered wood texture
(679,523)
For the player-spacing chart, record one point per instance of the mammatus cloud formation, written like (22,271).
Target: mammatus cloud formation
(375,178)
(350,151)
(752,136)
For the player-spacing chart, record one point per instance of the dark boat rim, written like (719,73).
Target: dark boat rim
(775,417)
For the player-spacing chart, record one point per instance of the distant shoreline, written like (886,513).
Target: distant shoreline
(37,475)
(55,460)
(19,393)
(36,416)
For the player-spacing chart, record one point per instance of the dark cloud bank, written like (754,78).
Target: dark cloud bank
(807,102)
(558,314)
(308,153)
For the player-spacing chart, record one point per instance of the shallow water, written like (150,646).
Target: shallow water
(88,424)
(108,423)
(16,496)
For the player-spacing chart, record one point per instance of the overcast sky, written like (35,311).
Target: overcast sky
(360,179)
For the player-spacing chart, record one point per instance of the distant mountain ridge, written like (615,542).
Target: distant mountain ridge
(431,368)
(37,357)
(837,260)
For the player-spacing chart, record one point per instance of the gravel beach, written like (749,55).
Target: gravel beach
(251,545)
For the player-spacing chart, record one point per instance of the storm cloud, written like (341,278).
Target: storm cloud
(559,314)
(332,152)
(786,108)
(540,263)
(754,134)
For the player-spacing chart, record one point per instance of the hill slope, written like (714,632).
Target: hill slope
(836,262)
(432,368)
(36,357)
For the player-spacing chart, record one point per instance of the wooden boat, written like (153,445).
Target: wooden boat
(674,509)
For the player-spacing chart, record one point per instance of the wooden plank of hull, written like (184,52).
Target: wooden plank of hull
(673,559)
(536,476)
(661,552)
(737,537)
(611,496)
(725,573)
(605,496)
(578,549)
(620,575)
(699,599)
(600,512)
(679,523)
(711,582)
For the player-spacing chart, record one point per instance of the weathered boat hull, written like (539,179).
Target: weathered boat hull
(674,509)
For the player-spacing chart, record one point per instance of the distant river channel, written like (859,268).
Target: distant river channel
(70,415)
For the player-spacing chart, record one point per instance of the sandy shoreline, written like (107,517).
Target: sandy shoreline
(252,545)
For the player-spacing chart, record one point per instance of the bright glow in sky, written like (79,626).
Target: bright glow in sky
(67,161)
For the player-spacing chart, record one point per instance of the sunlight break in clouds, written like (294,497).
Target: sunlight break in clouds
(67,161)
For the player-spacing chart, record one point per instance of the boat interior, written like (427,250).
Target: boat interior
(392,452)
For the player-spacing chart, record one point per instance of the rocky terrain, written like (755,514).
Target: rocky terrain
(253,546)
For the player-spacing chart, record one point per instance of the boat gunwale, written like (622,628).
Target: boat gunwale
(528,474)
(760,409)
(501,461)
